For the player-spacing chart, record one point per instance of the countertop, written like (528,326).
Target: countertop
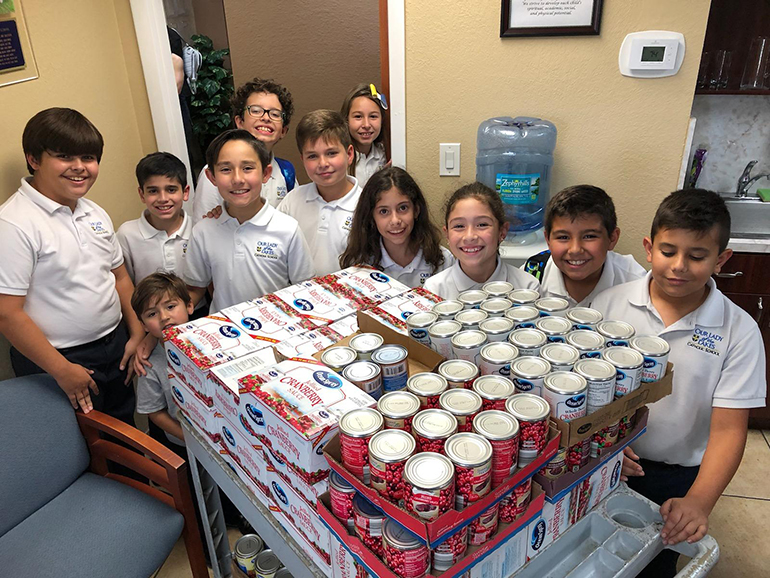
(749,245)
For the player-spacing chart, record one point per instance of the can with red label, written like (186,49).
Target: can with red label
(501,429)
(532,413)
(431,429)
(471,455)
(557,466)
(449,552)
(464,404)
(403,552)
(459,373)
(341,494)
(429,485)
(494,390)
(356,428)
(515,503)
(398,408)
(427,387)
(368,520)
(484,526)
(388,451)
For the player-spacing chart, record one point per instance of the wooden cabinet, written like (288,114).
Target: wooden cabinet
(745,280)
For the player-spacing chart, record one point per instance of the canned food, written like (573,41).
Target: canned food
(626,425)
(365,344)
(584,318)
(283,573)
(523,316)
(341,495)
(366,375)
(471,455)
(528,373)
(532,414)
(496,306)
(561,356)
(493,390)
(337,358)
(521,297)
(418,324)
(459,373)
(404,553)
(267,564)
(356,427)
(247,548)
(557,466)
(388,452)
(451,550)
(528,341)
(588,343)
(604,439)
(440,334)
(463,404)
(497,328)
(555,328)
(628,368)
(655,350)
(429,488)
(565,392)
(501,429)
(600,376)
(369,519)
(432,427)
(427,387)
(615,333)
(484,526)
(497,288)
(495,358)
(394,366)
(447,310)
(552,306)
(470,318)
(467,345)
(472,298)
(578,455)
(398,408)
(515,503)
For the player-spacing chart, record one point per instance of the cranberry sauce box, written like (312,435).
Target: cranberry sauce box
(364,285)
(289,475)
(343,563)
(195,347)
(206,420)
(296,413)
(265,321)
(315,302)
(394,311)
(251,466)
(302,347)
(323,562)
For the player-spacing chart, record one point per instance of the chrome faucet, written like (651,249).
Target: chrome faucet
(746,180)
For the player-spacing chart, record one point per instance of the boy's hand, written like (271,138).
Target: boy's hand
(214,213)
(685,519)
(143,351)
(631,465)
(128,353)
(76,380)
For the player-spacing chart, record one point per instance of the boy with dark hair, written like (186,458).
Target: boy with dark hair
(60,254)
(695,436)
(581,231)
(264,108)
(324,208)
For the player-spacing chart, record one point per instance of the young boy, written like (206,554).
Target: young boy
(250,249)
(695,436)
(581,231)
(264,108)
(325,207)
(64,291)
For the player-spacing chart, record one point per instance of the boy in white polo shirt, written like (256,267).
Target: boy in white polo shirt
(250,249)
(695,436)
(264,108)
(581,231)
(325,207)
(63,287)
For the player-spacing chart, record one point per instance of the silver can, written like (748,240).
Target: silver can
(552,306)
(447,310)
(388,451)
(532,413)
(427,387)
(494,390)
(521,297)
(565,392)
(464,404)
(472,456)
(655,350)
(365,344)
(427,476)
(267,564)
(470,318)
(467,345)
(600,376)
(366,375)
(561,356)
(247,548)
(528,374)
(472,298)
(459,373)
(392,360)
(441,334)
(497,328)
(497,288)
(584,318)
(432,427)
(528,341)
(337,358)
(628,368)
(496,306)
(398,408)
(283,573)
(495,358)
(615,333)
(555,328)
(523,316)
(418,324)
(588,343)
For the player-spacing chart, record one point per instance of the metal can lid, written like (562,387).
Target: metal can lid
(530,367)
(421,319)
(248,546)
(496,325)
(361,371)
(552,304)
(396,404)
(365,508)
(584,315)
(497,288)
(426,384)
(458,370)
(494,387)
(267,562)
(499,352)
(390,353)
(468,449)
(283,573)
(553,325)
(444,328)
(434,423)
(429,470)
(399,537)
(650,345)
(523,296)
(615,329)
(366,342)
(391,445)
(469,339)
(560,353)
(339,356)
(361,422)
(449,307)
(525,337)
(471,316)
(496,304)
(584,339)
(528,407)
(496,425)
(565,382)
(472,296)
(339,483)
(522,313)
(623,357)
(460,401)
(595,369)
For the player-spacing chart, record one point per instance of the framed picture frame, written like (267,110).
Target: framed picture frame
(524,18)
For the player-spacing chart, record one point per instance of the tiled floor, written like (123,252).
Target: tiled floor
(740,522)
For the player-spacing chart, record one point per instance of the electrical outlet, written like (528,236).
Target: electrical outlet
(449,159)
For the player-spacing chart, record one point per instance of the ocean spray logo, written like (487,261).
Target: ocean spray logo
(619,375)
(615,475)
(280,494)
(251,323)
(303,305)
(538,535)
(406,314)
(229,331)
(275,457)
(255,415)
(228,435)
(174,358)
(649,363)
(379,277)
(326,379)
(177,394)
(576,401)
(523,385)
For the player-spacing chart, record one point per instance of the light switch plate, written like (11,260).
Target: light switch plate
(449,159)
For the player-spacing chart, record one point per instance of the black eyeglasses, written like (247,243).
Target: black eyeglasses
(258,112)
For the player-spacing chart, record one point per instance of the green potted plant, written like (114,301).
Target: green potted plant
(210,105)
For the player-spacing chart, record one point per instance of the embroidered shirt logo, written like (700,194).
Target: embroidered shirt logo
(347,225)
(707,341)
(98,228)
(266,250)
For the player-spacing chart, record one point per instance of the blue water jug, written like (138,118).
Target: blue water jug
(514,156)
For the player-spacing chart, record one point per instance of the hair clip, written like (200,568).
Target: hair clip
(378,96)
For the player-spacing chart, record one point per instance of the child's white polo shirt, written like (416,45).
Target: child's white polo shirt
(266,253)
(418,271)
(326,226)
(62,261)
(719,361)
(147,250)
(367,165)
(453,281)
(618,269)
(207,196)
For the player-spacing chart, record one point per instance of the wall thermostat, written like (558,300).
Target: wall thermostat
(651,54)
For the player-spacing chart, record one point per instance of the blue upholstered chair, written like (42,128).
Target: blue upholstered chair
(62,514)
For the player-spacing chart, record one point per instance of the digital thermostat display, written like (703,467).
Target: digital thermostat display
(653,53)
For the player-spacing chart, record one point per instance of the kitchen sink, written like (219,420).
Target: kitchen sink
(749,215)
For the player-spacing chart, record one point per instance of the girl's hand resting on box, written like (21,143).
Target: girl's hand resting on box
(685,519)
(631,465)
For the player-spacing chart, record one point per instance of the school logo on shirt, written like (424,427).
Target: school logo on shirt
(184,248)
(266,250)
(281,191)
(348,224)
(707,341)
(424,277)
(98,228)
